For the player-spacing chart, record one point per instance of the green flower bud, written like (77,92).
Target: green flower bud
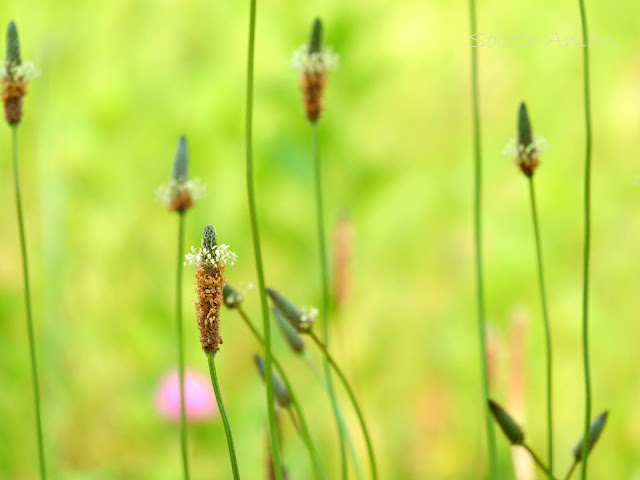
(181,162)
(315,39)
(209,241)
(508,425)
(279,389)
(289,332)
(13,47)
(232,297)
(525,136)
(594,434)
(301,319)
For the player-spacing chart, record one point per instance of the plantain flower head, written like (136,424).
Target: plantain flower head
(180,193)
(526,150)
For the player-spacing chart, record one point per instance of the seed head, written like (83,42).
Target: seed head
(15,76)
(526,151)
(180,193)
(313,61)
(210,262)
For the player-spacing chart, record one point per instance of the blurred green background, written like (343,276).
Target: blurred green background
(122,80)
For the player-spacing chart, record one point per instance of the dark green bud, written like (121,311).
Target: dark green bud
(300,320)
(232,298)
(508,425)
(315,39)
(525,136)
(279,389)
(209,241)
(12,58)
(594,434)
(288,332)
(181,162)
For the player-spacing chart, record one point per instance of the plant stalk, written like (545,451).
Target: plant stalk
(587,240)
(538,462)
(183,414)
(324,269)
(477,164)
(223,415)
(255,234)
(352,397)
(547,327)
(27,298)
(306,434)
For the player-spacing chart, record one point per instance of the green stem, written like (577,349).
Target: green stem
(325,294)
(477,164)
(587,240)
(539,463)
(571,469)
(223,415)
(273,434)
(183,415)
(547,327)
(347,432)
(365,432)
(27,298)
(306,434)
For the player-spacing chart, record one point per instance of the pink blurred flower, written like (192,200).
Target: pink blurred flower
(199,399)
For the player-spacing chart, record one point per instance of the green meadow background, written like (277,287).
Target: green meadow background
(122,80)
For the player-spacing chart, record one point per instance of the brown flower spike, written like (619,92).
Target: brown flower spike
(15,77)
(210,262)
(313,62)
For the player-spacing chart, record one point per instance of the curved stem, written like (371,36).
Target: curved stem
(571,469)
(255,234)
(587,241)
(343,379)
(223,415)
(477,165)
(324,269)
(547,327)
(27,299)
(539,463)
(306,434)
(183,415)
(341,419)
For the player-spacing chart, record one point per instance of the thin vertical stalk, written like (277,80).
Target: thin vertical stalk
(347,433)
(255,234)
(27,299)
(317,467)
(223,415)
(547,327)
(587,240)
(477,165)
(324,270)
(183,414)
(352,397)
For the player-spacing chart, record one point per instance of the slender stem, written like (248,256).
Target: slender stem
(477,165)
(343,379)
(324,269)
(571,469)
(183,415)
(347,432)
(317,467)
(547,327)
(273,434)
(587,240)
(27,298)
(223,415)
(539,463)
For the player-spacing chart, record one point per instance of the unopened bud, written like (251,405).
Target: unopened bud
(595,430)
(279,389)
(508,425)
